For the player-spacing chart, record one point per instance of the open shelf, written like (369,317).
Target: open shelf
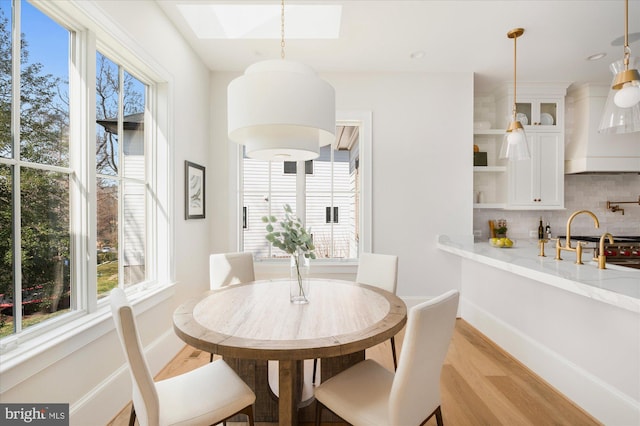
(490,169)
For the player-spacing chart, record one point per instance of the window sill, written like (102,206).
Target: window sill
(324,268)
(20,360)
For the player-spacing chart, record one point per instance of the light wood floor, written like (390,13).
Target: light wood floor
(481,385)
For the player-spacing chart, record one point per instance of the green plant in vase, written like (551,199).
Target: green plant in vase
(294,239)
(501,231)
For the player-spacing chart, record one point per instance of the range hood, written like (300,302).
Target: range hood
(586,150)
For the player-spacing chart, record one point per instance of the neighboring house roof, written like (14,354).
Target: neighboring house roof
(131,122)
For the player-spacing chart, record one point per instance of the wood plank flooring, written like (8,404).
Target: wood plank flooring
(481,385)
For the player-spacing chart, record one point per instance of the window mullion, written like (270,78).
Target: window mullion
(151,226)
(301,197)
(121,180)
(15,130)
(331,186)
(84,151)
(269,203)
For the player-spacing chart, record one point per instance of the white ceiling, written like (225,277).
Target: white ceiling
(465,36)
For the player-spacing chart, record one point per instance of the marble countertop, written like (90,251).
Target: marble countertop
(616,285)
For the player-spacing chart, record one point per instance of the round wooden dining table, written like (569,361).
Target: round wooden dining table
(257,321)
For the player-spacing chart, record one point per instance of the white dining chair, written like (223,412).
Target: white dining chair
(378,270)
(204,396)
(369,394)
(230,268)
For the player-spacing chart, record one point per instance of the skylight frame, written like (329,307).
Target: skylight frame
(232,21)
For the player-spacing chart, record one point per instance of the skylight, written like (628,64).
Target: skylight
(261,21)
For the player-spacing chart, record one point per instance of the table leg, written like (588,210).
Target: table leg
(289,383)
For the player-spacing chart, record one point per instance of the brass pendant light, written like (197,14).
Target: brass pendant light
(622,110)
(514,145)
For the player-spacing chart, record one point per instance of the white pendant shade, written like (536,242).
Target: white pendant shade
(622,110)
(514,145)
(629,95)
(280,110)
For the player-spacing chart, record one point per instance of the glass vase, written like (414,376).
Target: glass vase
(299,279)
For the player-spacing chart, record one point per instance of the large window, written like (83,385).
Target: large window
(324,192)
(77,189)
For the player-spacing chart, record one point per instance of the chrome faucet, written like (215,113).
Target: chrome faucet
(602,259)
(567,246)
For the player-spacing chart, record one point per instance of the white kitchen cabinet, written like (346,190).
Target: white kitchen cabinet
(541,113)
(538,183)
(540,105)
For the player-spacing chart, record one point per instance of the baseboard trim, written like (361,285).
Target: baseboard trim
(596,397)
(106,400)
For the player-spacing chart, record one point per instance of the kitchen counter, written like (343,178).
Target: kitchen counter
(576,326)
(616,285)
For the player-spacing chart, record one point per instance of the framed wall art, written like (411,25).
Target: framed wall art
(194,191)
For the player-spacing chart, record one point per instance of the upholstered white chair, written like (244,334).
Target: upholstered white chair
(204,396)
(230,268)
(368,394)
(378,270)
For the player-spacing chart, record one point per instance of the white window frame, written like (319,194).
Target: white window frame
(89,313)
(272,267)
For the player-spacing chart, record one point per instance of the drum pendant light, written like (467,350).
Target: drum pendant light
(280,110)
(622,110)
(514,145)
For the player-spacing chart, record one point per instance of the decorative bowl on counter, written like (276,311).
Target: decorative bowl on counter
(502,242)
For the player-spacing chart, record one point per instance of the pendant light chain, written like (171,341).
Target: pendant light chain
(282,30)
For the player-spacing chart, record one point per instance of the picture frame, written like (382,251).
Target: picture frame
(194,191)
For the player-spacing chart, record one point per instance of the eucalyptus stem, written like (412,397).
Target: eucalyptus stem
(297,260)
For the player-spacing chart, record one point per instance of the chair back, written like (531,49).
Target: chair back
(145,396)
(230,268)
(379,270)
(415,392)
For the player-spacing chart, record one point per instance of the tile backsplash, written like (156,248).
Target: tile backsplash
(582,192)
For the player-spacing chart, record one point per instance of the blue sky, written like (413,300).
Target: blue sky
(48,42)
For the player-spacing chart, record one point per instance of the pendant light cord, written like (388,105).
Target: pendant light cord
(627,50)
(514,77)
(282,30)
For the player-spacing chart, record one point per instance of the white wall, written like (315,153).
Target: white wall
(87,370)
(422,175)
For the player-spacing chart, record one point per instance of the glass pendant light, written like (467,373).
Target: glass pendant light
(622,109)
(280,110)
(514,145)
